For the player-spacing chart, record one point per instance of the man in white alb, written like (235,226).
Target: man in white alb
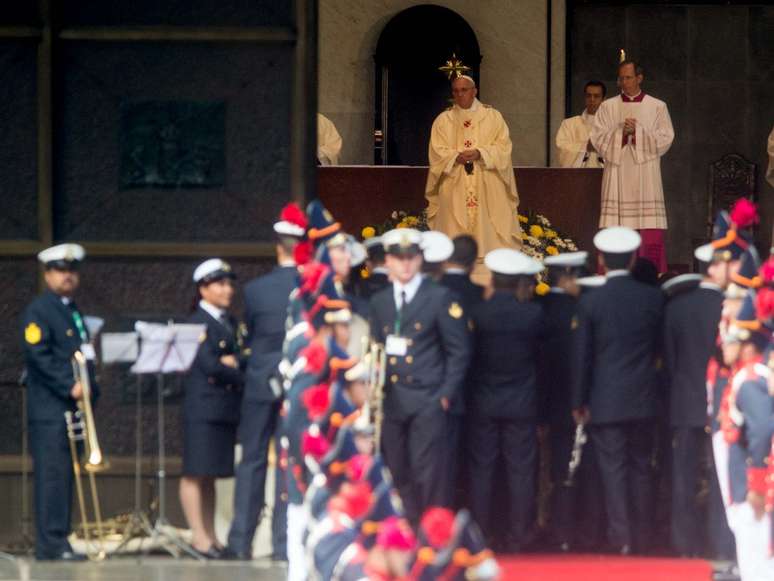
(631,132)
(573,147)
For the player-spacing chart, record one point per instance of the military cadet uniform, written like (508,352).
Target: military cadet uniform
(377,278)
(617,341)
(266,304)
(427,342)
(53,329)
(691,317)
(569,504)
(502,397)
(457,280)
(213,391)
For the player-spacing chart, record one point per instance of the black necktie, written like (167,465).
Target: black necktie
(401,309)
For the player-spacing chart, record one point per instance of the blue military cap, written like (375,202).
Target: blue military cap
(729,242)
(749,265)
(747,325)
(322,229)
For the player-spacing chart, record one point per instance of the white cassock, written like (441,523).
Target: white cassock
(770,171)
(328,141)
(482,203)
(632,192)
(571,140)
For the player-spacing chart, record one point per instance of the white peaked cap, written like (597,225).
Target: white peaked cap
(210,267)
(512,262)
(436,246)
(62,252)
(617,240)
(567,259)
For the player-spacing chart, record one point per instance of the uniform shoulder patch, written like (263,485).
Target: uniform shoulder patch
(33,334)
(455,310)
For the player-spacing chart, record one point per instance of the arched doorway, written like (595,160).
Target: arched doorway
(410,90)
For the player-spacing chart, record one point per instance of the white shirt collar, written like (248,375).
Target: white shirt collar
(381,270)
(216,313)
(557,290)
(588,119)
(287,262)
(65,300)
(617,273)
(410,288)
(454,270)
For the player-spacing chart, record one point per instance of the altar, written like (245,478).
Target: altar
(365,195)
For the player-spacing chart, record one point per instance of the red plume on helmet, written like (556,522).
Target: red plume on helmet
(437,525)
(314,444)
(316,400)
(293,214)
(312,277)
(744,214)
(302,252)
(316,356)
(764,297)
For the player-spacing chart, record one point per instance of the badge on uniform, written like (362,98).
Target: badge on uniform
(33,334)
(395,345)
(455,310)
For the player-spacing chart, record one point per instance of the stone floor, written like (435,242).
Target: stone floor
(142,569)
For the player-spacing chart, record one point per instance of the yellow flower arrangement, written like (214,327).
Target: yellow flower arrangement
(523,219)
(551,234)
(368,232)
(536,231)
(552,250)
(401,224)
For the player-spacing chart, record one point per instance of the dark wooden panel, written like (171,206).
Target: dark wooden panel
(357,196)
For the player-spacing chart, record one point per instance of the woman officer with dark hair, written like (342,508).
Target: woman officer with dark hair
(213,390)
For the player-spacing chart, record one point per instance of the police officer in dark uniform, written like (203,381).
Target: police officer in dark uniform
(615,387)
(691,317)
(426,338)
(53,330)
(502,414)
(266,305)
(456,272)
(213,392)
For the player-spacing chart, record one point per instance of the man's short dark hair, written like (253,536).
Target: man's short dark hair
(465,251)
(617,261)
(644,270)
(638,70)
(599,84)
(376,254)
(288,243)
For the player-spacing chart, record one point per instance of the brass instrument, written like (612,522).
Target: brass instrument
(81,428)
(377,370)
(577,454)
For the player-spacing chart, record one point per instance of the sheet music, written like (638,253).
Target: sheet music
(167,348)
(119,347)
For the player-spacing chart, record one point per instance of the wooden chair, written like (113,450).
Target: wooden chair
(730,178)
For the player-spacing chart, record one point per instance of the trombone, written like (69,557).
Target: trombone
(81,428)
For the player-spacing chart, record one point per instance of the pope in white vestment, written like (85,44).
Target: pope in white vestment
(328,141)
(470,187)
(631,132)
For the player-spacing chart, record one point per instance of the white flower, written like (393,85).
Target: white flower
(542,219)
(395,215)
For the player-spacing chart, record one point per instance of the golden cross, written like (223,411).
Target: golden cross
(454,67)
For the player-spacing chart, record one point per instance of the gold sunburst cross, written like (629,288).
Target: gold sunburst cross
(454,67)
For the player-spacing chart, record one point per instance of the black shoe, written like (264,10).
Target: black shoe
(69,556)
(230,554)
(212,553)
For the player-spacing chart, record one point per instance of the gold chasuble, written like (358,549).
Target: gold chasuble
(483,200)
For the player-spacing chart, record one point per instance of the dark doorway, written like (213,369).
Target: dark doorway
(410,90)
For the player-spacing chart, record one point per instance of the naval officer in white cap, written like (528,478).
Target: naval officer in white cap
(503,410)
(53,329)
(213,393)
(615,386)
